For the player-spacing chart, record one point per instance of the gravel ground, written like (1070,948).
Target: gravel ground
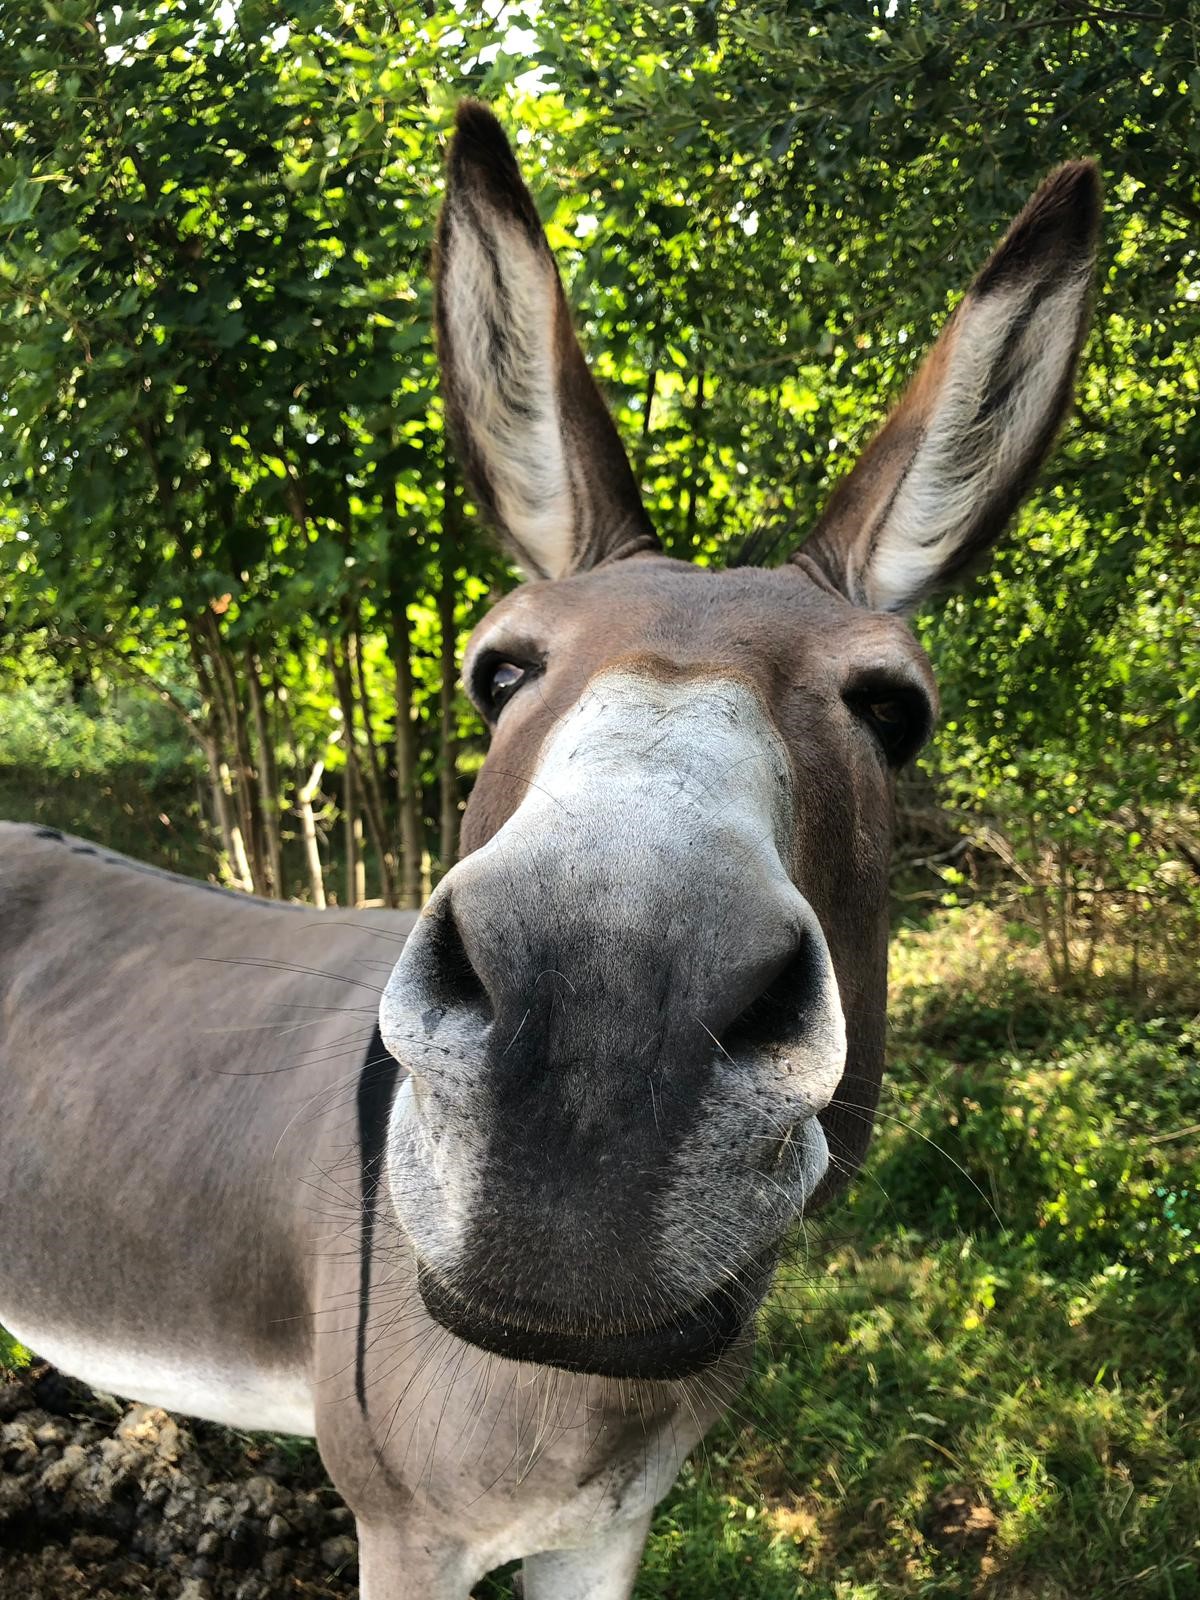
(107,1501)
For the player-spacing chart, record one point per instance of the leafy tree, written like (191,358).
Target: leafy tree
(222,442)
(804,184)
(222,470)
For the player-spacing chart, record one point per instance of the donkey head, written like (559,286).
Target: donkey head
(643,1017)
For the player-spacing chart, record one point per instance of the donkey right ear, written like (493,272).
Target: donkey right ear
(536,441)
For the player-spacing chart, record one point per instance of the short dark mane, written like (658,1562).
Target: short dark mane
(112,858)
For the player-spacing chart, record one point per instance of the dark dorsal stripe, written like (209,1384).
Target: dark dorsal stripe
(111,858)
(376,1088)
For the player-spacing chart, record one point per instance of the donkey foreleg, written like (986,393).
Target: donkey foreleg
(392,1565)
(602,1570)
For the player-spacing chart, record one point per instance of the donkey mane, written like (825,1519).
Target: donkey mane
(113,858)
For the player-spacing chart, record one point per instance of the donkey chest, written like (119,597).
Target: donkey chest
(571,1495)
(545,1459)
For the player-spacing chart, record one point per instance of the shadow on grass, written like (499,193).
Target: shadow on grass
(939,1423)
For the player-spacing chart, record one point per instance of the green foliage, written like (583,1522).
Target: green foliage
(222,457)
(221,471)
(111,765)
(43,727)
(1076,1132)
(12,1355)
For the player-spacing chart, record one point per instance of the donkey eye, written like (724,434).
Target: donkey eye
(506,676)
(890,712)
(496,679)
(900,722)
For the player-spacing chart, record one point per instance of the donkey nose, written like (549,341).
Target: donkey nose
(778,1001)
(481,971)
(598,1057)
(435,1006)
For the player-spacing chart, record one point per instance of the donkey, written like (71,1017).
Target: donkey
(502,1257)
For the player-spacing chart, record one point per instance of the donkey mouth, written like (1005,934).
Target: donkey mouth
(675,1348)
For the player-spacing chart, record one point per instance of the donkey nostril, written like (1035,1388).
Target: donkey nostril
(435,1008)
(452,982)
(780,1014)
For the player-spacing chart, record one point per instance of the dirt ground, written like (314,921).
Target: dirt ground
(104,1501)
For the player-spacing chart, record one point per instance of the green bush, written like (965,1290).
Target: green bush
(109,763)
(1068,1125)
(12,1354)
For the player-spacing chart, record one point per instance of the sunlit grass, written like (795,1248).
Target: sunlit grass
(938,1421)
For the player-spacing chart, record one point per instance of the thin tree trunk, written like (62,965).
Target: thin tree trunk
(222,819)
(214,686)
(233,846)
(221,785)
(373,765)
(693,478)
(206,809)
(350,817)
(448,751)
(345,694)
(308,828)
(360,866)
(428,735)
(1064,911)
(268,780)
(354,651)
(285,746)
(407,797)
(647,416)
(241,859)
(1095,927)
(366,773)
(235,722)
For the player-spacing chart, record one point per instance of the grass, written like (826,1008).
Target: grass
(980,1377)
(13,1356)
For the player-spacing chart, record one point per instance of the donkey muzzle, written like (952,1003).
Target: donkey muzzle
(621,1022)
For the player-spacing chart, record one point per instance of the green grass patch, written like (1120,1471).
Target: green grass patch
(980,1377)
(13,1356)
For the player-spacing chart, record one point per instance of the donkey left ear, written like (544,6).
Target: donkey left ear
(939,482)
(538,446)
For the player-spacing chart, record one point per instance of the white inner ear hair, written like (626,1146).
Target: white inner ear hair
(500,295)
(967,455)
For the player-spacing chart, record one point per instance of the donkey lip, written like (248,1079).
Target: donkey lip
(685,1344)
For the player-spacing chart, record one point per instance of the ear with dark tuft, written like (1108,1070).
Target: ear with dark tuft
(536,441)
(936,487)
